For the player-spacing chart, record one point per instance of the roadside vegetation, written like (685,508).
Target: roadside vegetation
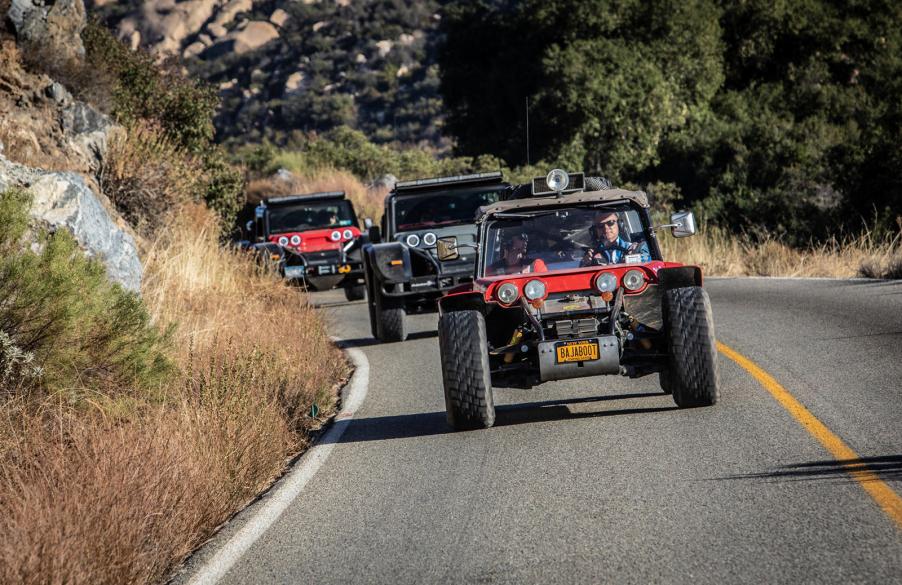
(131,426)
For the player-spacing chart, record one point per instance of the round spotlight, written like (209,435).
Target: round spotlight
(348,234)
(283,240)
(429,239)
(606,282)
(295,240)
(335,236)
(508,293)
(534,289)
(557,180)
(413,240)
(633,280)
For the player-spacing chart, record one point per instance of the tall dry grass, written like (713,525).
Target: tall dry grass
(95,495)
(721,253)
(368,201)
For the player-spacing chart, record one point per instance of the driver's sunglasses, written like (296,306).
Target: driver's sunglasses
(609,223)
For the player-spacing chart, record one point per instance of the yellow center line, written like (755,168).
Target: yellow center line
(884,495)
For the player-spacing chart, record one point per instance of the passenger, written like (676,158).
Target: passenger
(514,257)
(608,247)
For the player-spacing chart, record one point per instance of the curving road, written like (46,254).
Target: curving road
(603,480)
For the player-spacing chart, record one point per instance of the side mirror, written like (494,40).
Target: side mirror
(683,224)
(367,223)
(446,249)
(375,234)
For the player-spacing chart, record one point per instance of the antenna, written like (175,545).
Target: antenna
(527,130)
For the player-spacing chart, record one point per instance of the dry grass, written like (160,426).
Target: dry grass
(120,496)
(146,176)
(368,202)
(720,253)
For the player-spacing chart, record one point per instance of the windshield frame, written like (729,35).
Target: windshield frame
(616,206)
(308,204)
(464,190)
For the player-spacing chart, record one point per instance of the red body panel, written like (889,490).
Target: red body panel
(317,240)
(565,280)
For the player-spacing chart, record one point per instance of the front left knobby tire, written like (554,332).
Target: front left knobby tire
(692,372)
(465,370)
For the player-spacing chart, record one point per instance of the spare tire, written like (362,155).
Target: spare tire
(598,184)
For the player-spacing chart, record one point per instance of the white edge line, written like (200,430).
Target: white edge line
(293,483)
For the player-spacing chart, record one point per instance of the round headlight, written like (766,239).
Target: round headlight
(557,180)
(348,234)
(295,240)
(335,236)
(413,240)
(429,239)
(534,289)
(508,293)
(283,241)
(606,282)
(633,280)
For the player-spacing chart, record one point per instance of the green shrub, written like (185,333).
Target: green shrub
(142,90)
(58,306)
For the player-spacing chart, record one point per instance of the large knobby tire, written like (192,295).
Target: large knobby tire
(598,184)
(390,321)
(465,370)
(692,373)
(664,381)
(355,292)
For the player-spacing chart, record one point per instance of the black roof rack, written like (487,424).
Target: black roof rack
(437,182)
(299,198)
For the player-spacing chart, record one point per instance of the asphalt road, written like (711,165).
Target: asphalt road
(603,480)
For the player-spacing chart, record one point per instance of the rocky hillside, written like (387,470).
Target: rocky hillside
(54,145)
(284,66)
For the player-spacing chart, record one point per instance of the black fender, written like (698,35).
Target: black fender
(679,277)
(387,263)
(464,301)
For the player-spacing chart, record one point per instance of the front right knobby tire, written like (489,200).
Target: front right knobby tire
(691,374)
(465,370)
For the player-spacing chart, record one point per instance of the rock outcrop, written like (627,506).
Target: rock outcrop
(42,125)
(53,26)
(64,200)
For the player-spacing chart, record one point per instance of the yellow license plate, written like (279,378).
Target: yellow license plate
(577,351)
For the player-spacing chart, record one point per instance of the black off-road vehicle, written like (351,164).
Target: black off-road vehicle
(571,283)
(402,266)
(314,239)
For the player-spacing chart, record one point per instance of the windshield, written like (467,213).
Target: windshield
(442,208)
(546,240)
(313,215)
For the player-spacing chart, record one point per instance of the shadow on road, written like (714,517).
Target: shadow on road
(368,341)
(406,426)
(887,468)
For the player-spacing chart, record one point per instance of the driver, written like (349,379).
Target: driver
(607,245)
(514,258)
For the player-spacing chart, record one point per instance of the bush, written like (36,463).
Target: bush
(59,307)
(146,176)
(142,90)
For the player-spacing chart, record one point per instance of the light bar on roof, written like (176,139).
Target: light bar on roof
(306,197)
(475,178)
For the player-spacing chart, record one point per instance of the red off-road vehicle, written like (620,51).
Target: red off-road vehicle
(570,283)
(315,239)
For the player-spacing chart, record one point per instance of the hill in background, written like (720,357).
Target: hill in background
(300,66)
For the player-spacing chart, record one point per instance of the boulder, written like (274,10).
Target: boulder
(53,27)
(64,200)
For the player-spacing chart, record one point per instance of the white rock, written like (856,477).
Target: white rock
(279,17)
(384,47)
(64,200)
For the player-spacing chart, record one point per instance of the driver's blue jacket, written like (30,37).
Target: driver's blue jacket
(615,253)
